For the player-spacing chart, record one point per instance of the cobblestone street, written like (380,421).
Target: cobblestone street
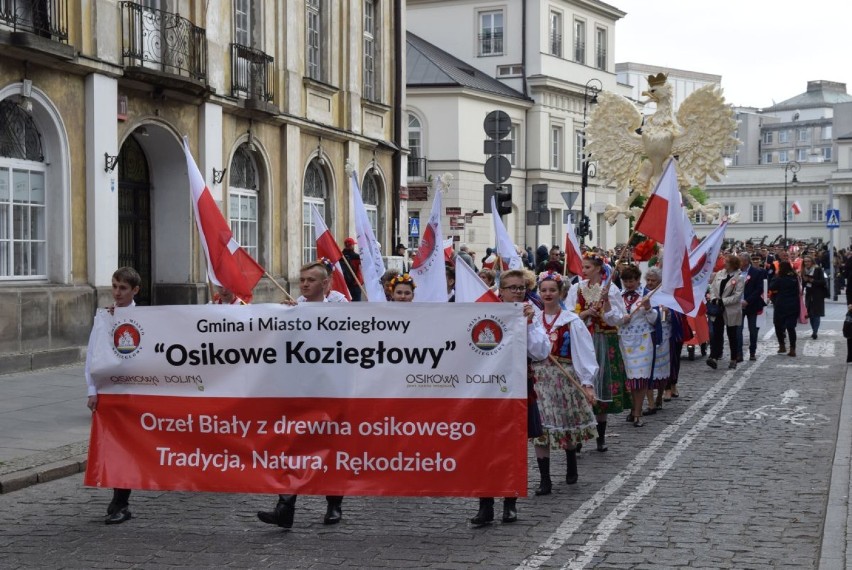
(733,474)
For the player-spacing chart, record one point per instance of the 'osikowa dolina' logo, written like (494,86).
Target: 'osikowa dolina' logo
(127,338)
(486,335)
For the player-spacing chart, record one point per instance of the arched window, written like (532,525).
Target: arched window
(23,235)
(316,193)
(242,200)
(371,193)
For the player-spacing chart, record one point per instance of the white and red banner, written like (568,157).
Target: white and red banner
(228,264)
(504,247)
(372,266)
(663,221)
(311,399)
(328,248)
(470,288)
(702,260)
(796,208)
(428,268)
(573,256)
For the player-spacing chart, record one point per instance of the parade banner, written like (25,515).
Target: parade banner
(351,399)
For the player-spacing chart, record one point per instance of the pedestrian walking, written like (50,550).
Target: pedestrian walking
(816,290)
(125,286)
(847,333)
(566,410)
(601,307)
(784,290)
(753,302)
(513,289)
(726,293)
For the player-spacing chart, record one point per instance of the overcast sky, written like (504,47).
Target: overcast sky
(763,49)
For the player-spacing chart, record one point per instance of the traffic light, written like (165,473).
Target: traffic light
(503,198)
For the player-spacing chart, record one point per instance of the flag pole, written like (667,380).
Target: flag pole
(277,284)
(565,372)
(361,285)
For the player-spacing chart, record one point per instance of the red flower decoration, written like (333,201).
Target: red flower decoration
(645,250)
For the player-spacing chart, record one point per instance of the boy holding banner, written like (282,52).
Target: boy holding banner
(314,281)
(125,286)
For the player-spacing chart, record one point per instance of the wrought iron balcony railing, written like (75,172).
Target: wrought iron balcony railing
(45,18)
(491,43)
(556,44)
(580,52)
(163,41)
(251,71)
(417,167)
(600,58)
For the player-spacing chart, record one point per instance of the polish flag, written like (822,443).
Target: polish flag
(505,248)
(449,252)
(662,220)
(470,288)
(796,208)
(228,264)
(573,256)
(328,248)
(429,269)
(372,266)
(702,261)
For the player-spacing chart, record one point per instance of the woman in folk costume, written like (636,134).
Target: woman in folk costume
(636,337)
(601,307)
(668,347)
(566,408)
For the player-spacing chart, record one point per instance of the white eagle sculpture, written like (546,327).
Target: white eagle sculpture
(631,154)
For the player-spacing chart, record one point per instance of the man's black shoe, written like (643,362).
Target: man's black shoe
(118,516)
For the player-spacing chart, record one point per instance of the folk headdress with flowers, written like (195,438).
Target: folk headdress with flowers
(549,276)
(404,279)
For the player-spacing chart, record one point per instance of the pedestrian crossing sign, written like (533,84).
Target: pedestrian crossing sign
(832,219)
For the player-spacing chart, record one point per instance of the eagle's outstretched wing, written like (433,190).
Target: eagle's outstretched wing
(708,135)
(612,140)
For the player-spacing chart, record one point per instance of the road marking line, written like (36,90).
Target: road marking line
(611,522)
(575,520)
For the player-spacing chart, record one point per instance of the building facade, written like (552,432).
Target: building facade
(683,82)
(96,99)
(556,54)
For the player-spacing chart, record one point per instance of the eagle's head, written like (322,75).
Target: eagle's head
(660,92)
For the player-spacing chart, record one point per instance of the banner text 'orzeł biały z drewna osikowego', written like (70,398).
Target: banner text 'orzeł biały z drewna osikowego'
(341,399)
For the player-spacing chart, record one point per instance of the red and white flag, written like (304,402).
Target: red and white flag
(796,208)
(328,248)
(228,264)
(505,248)
(702,260)
(428,269)
(449,252)
(663,221)
(470,288)
(573,256)
(372,266)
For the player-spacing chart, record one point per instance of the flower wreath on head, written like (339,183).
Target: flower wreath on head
(404,279)
(329,266)
(593,256)
(549,275)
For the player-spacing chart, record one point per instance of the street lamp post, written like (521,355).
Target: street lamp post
(793,167)
(590,97)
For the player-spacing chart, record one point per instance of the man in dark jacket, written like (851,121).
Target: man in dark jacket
(753,301)
(352,271)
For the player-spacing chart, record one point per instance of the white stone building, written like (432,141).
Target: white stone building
(547,52)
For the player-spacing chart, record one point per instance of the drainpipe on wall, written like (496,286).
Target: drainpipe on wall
(397,123)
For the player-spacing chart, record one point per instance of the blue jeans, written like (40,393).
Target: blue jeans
(815,323)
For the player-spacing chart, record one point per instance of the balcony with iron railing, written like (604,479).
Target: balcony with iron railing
(417,167)
(44,18)
(491,43)
(556,44)
(159,42)
(251,74)
(580,52)
(600,58)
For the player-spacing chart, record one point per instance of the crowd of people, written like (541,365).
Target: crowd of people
(597,344)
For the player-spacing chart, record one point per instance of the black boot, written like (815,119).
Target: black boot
(334,510)
(690,352)
(571,473)
(486,512)
(602,436)
(283,514)
(510,510)
(546,484)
